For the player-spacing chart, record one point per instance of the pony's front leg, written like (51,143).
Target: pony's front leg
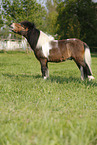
(44,68)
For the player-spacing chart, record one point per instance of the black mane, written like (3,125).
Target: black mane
(28,24)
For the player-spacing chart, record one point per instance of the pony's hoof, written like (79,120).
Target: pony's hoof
(45,78)
(91,78)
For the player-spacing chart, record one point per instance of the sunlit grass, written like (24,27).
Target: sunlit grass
(61,110)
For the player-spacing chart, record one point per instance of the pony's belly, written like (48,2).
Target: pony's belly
(56,56)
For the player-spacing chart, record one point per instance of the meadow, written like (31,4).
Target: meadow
(61,110)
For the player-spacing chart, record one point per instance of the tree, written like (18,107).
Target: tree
(87,16)
(1,21)
(20,10)
(51,6)
(73,29)
(77,18)
(51,16)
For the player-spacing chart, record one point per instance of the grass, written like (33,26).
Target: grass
(61,110)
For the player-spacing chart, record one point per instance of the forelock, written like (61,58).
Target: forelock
(28,24)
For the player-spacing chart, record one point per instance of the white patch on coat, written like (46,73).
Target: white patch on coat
(47,47)
(44,43)
(43,38)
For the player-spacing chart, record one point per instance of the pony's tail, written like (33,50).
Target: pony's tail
(87,58)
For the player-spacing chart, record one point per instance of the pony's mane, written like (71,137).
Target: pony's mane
(32,25)
(47,36)
(28,24)
(50,36)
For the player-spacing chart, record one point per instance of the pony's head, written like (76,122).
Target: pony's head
(22,28)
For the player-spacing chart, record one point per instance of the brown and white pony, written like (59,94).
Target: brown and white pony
(46,49)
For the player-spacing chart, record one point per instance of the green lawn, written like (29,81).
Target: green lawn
(61,110)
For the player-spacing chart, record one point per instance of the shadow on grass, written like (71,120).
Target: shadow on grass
(12,51)
(24,75)
(61,80)
(57,79)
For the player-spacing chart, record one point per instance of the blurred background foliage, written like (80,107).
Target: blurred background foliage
(61,18)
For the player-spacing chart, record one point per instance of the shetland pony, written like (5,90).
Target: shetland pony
(46,49)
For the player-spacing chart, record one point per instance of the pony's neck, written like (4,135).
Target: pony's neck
(32,37)
(38,38)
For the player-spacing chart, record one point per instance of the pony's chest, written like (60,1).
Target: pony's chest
(43,51)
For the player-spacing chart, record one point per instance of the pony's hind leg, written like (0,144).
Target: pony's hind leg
(87,59)
(85,71)
(88,72)
(80,65)
(82,73)
(83,61)
(81,70)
